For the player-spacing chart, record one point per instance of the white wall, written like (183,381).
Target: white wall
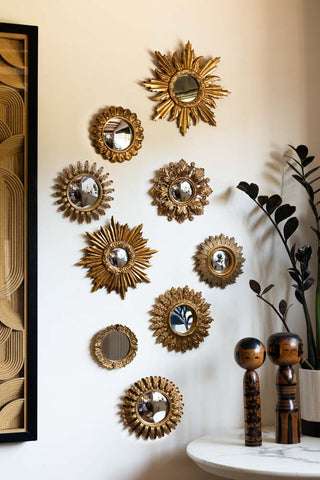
(95,54)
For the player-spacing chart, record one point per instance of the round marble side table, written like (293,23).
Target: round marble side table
(226,456)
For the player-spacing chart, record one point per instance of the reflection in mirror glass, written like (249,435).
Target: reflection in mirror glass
(153,407)
(186,88)
(83,192)
(182,318)
(118,134)
(115,345)
(182,191)
(118,257)
(220,261)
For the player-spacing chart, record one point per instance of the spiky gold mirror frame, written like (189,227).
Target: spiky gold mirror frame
(117,347)
(171,316)
(116,258)
(199,97)
(65,189)
(116,117)
(168,178)
(225,255)
(137,405)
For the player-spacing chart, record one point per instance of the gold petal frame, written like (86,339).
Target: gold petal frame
(129,409)
(97,129)
(101,270)
(161,314)
(161,191)
(112,364)
(204,267)
(170,68)
(63,187)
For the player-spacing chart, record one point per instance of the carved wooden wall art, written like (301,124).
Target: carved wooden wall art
(152,407)
(180,191)
(184,88)
(180,319)
(18,227)
(115,346)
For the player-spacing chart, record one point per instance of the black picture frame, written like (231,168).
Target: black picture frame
(30,430)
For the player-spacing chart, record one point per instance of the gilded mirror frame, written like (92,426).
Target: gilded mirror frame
(130,414)
(161,191)
(96,258)
(172,67)
(203,265)
(62,189)
(161,313)
(98,350)
(97,134)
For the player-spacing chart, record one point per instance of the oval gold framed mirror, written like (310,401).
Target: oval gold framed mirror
(185,88)
(116,134)
(180,319)
(152,407)
(218,261)
(115,346)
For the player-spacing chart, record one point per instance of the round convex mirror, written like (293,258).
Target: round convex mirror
(182,319)
(83,192)
(118,134)
(182,191)
(220,261)
(153,407)
(186,88)
(118,257)
(115,345)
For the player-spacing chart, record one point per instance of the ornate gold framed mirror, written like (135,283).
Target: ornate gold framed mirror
(185,88)
(180,319)
(218,261)
(180,191)
(115,346)
(152,407)
(116,134)
(116,258)
(83,192)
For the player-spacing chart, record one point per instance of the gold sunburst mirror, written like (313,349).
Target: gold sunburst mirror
(218,261)
(180,319)
(152,407)
(116,134)
(180,191)
(185,88)
(115,346)
(117,257)
(83,192)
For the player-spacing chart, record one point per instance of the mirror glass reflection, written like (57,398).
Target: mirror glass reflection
(118,134)
(118,257)
(186,88)
(220,261)
(182,191)
(115,345)
(153,407)
(83,192)
(182,319)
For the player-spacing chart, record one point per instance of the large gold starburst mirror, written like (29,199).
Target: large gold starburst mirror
(152,407)
(115,346)
(116,134)
(218,261)
(180,319)
(185,88)
(117,257)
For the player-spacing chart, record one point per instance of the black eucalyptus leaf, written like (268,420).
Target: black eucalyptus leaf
(283,212)
(255,286)
(295,275)
(290,227)
(244,186)
(307,161)
(253,190)
(292,252)
(308,283)
(294,168)
(304,254)
(311,171)
(262,199)
(282,307)
(302,151)
(299,295)
(267,289)
(273,202)
(299,179)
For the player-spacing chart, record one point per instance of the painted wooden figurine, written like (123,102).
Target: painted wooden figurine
(250,354)
(286,349)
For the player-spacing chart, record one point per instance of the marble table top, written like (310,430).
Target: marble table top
(225,455)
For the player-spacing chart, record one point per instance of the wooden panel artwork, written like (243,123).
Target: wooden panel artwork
(18,156)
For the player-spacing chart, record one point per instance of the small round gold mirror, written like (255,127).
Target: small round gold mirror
(115,346)
(186,88)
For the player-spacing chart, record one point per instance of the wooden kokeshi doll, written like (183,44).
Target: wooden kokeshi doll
(285,350)
(250,354)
